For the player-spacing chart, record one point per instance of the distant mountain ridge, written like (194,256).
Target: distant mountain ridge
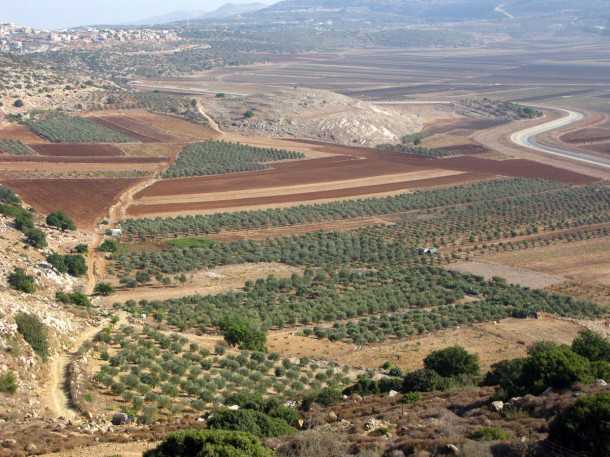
(223,12)
(429,9)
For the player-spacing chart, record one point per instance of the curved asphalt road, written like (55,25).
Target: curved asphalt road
(527,139)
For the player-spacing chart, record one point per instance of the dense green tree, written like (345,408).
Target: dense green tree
(453,361)
(21,281)
(244,333)
(61,221)
(592,346)
(585,426)
(210,443)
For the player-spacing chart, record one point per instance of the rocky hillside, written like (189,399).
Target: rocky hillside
(314,114)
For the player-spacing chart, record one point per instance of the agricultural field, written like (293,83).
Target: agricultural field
(61,128)
(162,375)
(85,200)
(15,147)
(219,157)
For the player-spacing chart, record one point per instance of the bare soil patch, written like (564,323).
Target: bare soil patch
(21,133)
(64,159)
(139,210)
(84,200)
(134,128)
(582,261)
(78,150)
(151,149)
(587,135)
(514,275)
(492,342)
(207,282)
(276,232)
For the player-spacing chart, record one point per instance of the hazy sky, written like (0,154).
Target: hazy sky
(69,13)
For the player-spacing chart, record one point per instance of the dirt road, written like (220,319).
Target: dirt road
(527,138)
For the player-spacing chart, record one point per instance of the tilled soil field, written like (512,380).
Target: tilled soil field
(84,200)
(140,210)
(78,150)
(587,135)
(21,133)
(64,159)
(134,128)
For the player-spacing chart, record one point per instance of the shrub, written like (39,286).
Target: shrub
(424,380)
(453,361)
(250,421)
(210,443)
(35,237)
(410,398)
(507,374)
(19,280)
(8,383)
(601,370)
(109,246)
(490,434)
(552,365)
(34,332)
(61,221)
(592,346)
(8,196)
(585,426)
(315,443)
(74,265)
(244,333)
(103,289)
(81,248)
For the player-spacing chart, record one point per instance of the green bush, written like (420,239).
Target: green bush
(585,426)
(552,365)
(34,332)
(592,346)
(104,289)
(8,196)
(35,237)
(109,246)
(19,280)
(601,370)
(490,434)
(507,375)
(453,361)
(210,443)
(61,221)
(74,265)
(244,333)
(424,380)
(8,383)
(250,421)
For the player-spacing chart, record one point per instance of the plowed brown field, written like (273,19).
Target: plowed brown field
(62,159)
(78,150)
(140,210)
(587,135)
(85,200)
(21,133)
(134,128)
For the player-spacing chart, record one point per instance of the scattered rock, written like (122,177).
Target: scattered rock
(31,448)
(392,393)
(497,406)
(601,382)
(332,417)
(451,449)
(9,443)
(233,407)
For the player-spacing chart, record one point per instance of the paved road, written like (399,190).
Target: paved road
(527,139)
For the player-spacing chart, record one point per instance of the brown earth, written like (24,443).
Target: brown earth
(77,150)
(348,167)
(492,342)
(277,232)
(587,135)
(585,261)
(139,210)
(514,275)
(62,159)
(150,149)
(21,133)
(604,148)
(134,128)
(21,170)
(84,200)
(150,127)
